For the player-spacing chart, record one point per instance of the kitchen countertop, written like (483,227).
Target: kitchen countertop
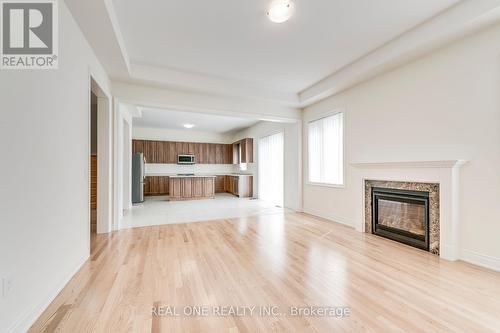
(192,176)
(174,175)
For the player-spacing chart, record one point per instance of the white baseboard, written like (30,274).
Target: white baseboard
(329,217)
(24,322)
(481,260)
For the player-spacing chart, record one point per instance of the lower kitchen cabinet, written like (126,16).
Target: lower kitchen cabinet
(245,186)
(156,185)
(188,188)
(220,184)
(240,185)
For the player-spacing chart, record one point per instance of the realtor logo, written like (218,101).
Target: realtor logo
(29,34)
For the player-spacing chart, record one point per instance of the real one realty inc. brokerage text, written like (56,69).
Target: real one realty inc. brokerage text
(248,311)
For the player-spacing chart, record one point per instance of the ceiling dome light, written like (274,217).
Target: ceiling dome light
(280,11)
(188,125)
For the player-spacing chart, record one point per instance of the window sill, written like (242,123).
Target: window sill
(326,185)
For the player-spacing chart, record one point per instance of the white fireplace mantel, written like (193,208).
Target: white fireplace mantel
(445,172)
(411,164)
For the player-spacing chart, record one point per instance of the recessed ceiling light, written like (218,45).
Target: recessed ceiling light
(188,125)
(280,11)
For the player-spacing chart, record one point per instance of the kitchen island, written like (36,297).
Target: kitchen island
(191,187)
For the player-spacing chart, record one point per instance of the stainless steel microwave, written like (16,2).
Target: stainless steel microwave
(185,159)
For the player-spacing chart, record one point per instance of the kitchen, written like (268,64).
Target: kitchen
(184,157)
(190,166)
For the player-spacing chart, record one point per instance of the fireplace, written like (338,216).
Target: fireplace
(401,215)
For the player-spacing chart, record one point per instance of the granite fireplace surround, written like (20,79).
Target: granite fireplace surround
(432,188)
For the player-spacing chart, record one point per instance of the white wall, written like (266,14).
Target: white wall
(44,201)
(443,106)
(124,155)
(292,159)
(127,165)
(163,134)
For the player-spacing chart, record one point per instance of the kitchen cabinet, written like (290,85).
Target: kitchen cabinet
(156,185)
(188,188)
(246,150)
(240,185)
(219,154)
(212,159)
(245,186)
(220,184)
(192,148)
(166,152)
(243,151)
(232,184)
(199,153)
(228,159)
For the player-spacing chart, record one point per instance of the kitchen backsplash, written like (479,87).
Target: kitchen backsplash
(195,168)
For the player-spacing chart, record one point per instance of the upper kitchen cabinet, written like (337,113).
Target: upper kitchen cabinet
(167,151)
(247,150)
(243,151)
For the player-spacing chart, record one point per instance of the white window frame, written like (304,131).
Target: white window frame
(326,115)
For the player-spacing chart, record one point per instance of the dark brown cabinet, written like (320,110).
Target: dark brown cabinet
(156,185)
(220,184)
(229,154)
(232,184)
(165,152)
(219,154)
(246,150)
(186,188)
(243,151)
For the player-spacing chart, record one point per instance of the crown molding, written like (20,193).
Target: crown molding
(410,164)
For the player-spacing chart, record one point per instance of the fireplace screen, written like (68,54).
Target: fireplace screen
(401,215)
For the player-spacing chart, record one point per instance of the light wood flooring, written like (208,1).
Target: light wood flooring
(270,260)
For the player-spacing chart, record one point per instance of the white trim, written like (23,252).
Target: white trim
(410,164)
(330,217)
(325,184)
(115,25)
(27,319)
(481,260)
(326,115)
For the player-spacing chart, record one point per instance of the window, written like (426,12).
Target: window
(326,150)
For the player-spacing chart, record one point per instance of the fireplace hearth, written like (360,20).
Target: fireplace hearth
(401,215)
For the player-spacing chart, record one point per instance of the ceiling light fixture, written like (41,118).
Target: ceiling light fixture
(188,125)
(280,11)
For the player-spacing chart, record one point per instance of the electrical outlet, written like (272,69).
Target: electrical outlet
(6,286)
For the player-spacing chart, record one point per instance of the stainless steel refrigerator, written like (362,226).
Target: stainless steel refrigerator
(138,177)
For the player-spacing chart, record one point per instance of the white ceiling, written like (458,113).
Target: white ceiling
(231,39)
(159,118)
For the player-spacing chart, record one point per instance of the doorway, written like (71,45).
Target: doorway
(100,162)
(93,163)
(270,169)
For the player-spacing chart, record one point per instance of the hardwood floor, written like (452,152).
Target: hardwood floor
(270,260)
